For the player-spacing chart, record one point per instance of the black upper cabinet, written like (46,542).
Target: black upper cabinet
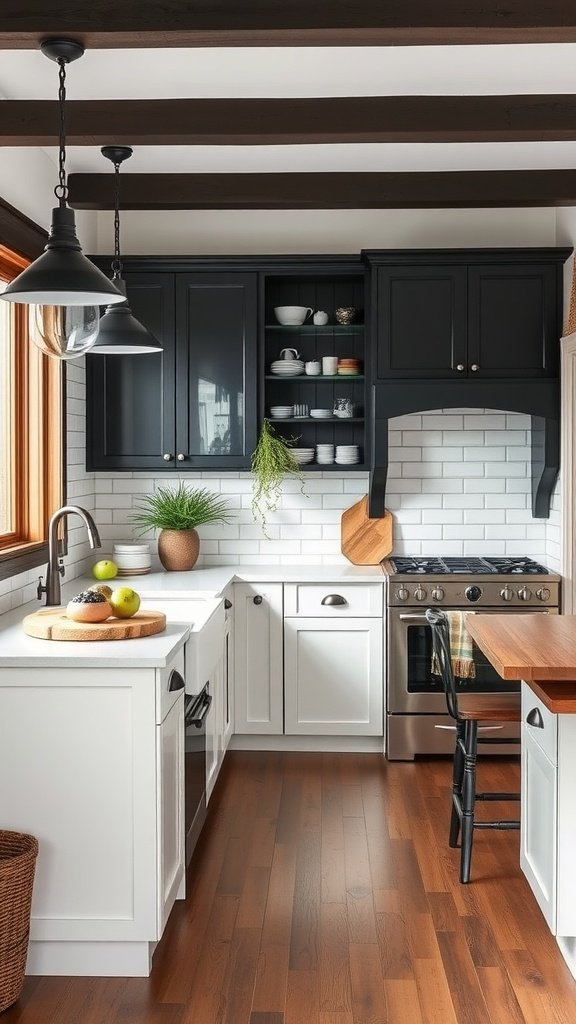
(513,322)
(453,320)
(421,321)
(193,406)
(130,399)
(216,369)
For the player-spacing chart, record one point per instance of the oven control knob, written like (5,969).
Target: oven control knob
(543,594)
(402,593)
(507,594)
(437,594)
(420,594)
(524,594)
(473,593)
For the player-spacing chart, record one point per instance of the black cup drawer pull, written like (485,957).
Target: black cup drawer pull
(334,599)
(535,718)
(176,682)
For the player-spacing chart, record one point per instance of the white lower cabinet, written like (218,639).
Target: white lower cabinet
(92,763)
(548,814)
(258,666)
(333,676)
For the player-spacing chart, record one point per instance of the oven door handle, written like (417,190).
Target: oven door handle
(198,719)
(414,619)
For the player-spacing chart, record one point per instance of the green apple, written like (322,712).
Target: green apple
(125,602)
(104,570)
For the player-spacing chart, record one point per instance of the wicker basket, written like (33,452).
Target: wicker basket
(17,862)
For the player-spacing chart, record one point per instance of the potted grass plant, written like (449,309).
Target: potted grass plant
(272,460)
(176,513)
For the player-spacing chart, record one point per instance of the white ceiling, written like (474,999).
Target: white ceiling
(298,72)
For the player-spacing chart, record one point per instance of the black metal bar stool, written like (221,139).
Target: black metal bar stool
(468,710)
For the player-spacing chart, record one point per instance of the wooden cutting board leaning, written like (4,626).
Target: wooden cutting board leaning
(365,541)
(52,624)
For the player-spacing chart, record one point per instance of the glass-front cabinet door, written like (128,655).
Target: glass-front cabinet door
(216,336)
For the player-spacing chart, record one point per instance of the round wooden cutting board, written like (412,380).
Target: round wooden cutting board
(52,624)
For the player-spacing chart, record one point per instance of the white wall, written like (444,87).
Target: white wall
(322,231)
(27,180)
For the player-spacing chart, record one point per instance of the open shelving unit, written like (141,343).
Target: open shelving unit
(324,287)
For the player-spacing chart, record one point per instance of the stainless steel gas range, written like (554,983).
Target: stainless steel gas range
(416,720)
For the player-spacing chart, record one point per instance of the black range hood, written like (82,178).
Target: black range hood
(538,398)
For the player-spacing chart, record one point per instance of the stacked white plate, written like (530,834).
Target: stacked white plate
(347,454)
(321,414)
(132,559)
(303,455)
(281,412)
(287,367)
(324,454)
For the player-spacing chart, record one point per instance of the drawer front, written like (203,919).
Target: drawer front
(165,697)
(540,723)
(333,600)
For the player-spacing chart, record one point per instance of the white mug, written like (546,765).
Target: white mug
(320,318)
(312,368)
(329,365)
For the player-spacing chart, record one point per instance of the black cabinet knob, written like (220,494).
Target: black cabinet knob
(257,599)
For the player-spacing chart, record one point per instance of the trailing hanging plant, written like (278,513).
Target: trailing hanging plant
(272,460)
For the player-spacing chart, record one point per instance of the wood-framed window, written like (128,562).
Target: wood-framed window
(31,434)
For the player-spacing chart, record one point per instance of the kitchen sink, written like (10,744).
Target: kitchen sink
(205,617)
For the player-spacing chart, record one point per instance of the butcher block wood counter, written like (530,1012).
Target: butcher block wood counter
(540,649)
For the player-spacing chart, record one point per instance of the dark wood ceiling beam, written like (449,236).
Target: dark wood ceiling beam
(228,122)
(326,191)
(158,23)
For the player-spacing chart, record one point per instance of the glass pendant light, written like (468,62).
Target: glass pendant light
(62,287)
(120,332)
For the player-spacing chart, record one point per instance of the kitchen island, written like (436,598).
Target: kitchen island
(541,651)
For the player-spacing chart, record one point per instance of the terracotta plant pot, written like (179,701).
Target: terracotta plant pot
(178,550)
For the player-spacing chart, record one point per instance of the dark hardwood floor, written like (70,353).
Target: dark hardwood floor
(323,891)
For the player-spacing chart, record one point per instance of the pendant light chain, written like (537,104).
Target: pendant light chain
(61,190)
(117,262)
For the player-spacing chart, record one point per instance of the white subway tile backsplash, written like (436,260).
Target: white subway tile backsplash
(485,421)
(484,515)
(459,483)
(442,515)
(463,469)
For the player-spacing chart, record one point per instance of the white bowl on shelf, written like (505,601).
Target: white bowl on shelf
(321,414)
(292,316)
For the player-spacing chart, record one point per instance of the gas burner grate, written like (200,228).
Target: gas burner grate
(516,567)
(418,566)
(467,567)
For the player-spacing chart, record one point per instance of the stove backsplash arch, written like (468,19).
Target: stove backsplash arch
(540,399)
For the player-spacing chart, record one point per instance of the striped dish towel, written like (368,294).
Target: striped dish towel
(460,647)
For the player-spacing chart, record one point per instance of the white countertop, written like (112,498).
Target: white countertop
(17,650)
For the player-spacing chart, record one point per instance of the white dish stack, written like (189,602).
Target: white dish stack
(287,367)
(325,454)
(281,412)
(132,559)
(303,455)
(347,454)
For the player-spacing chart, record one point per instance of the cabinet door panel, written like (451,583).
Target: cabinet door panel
(216,369)
(258,675)
(421,326)
(130,414)
(513,328)
(333,677)
(538,829)
(170,797)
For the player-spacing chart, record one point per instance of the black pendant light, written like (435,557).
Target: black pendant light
(62,285)
(120,332)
